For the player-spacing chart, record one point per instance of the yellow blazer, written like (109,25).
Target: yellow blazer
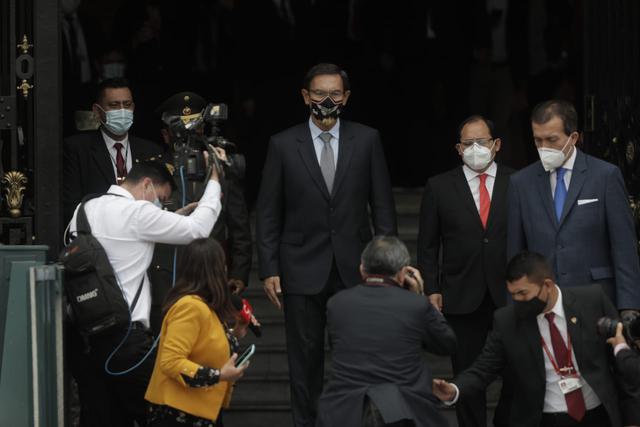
(192,336)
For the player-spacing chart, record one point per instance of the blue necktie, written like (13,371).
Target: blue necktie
(560,194)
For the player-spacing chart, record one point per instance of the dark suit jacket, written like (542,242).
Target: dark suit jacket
(300,227)
(473,259)
(515,344)
(88,167)
(377,336)
(593,241)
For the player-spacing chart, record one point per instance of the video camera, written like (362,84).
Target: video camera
(630,328)
(190,142)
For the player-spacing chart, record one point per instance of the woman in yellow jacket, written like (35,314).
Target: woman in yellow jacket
(194,370)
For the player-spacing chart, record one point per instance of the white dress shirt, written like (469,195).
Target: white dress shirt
(128,229)
(126,153)
(318,143)
(554,400)
(473,179)
(568,165)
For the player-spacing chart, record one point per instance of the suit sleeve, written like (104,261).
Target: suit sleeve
(429,241)
(623,241)
(628,363)
(72,192)
(486,368)
(383,208)
(439,338)
(269,214)
(239,232)
(516,240)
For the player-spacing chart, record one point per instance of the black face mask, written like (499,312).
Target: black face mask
(326,109)
(531,308)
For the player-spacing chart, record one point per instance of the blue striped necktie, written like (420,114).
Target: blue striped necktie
(560,195)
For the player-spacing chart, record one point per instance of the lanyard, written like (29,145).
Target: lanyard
(569,368)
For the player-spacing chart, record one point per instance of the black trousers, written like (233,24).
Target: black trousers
(106,400)
(471,330)
(305,319)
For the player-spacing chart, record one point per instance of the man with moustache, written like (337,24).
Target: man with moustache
(463,223)
(312,222)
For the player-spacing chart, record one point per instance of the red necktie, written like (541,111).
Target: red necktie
(485,200)
(121,167)
(575,400)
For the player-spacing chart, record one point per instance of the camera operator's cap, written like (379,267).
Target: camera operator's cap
(186,105)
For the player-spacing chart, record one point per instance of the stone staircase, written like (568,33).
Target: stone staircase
(262,397)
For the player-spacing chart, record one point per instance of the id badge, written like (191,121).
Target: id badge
(569,384)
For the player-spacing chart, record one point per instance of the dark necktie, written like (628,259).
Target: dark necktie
(121,165)
(327,160)
(485,200)
(575,400)
(560,195)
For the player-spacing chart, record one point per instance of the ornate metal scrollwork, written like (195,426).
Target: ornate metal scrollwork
(14,192)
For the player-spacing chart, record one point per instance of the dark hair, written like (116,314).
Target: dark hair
(325,69)
(202,272)
(115,83)
(547,110)
(385,255)
(156,171)
(477,118)
(530,264)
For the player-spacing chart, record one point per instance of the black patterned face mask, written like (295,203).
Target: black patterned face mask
(326,109)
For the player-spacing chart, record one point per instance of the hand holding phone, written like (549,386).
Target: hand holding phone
(246,355)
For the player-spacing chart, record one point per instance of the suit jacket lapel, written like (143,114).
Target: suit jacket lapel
(498,195)
(578,177)
(102,158)
(544,187)
(572,314)
(310,159)
(345,150)
(462,187)
(529,328)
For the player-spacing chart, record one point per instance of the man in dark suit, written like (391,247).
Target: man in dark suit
(319,179)
(389,316)
(574,209)
(547,339)
(93,161)
(463,223)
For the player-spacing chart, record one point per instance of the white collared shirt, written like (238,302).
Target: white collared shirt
(128,229)
(126,153)
(318,143)
(473,179)
(554,400)
(568,165)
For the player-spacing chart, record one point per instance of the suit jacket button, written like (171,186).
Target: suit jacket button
(485,240)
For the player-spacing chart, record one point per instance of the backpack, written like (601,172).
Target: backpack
(96,299)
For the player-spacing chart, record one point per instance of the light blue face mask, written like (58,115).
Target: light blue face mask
(118,122)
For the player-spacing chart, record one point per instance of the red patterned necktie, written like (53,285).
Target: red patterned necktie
(575,400)
(121,167)
(485,200)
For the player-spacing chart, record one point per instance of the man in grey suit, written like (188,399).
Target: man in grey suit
(573,209)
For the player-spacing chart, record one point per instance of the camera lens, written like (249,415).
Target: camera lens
(607,327)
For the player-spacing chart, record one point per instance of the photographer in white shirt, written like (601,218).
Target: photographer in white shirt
(128,221)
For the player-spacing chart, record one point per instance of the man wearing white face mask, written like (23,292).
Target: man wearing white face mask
(462,247)
(573,208)
(95,160)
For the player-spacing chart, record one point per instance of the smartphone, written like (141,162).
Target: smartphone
(246,355)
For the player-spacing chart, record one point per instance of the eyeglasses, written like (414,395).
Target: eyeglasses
(321,94)
(482,142)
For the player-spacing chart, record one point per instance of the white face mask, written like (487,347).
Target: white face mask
(552,158)
(477,157)
(156,201)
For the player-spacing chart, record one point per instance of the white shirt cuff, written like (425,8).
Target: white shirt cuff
(618,348)
(455,398)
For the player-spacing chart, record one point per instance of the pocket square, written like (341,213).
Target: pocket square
(586,201)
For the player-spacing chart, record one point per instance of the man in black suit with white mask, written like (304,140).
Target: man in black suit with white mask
(312,222)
